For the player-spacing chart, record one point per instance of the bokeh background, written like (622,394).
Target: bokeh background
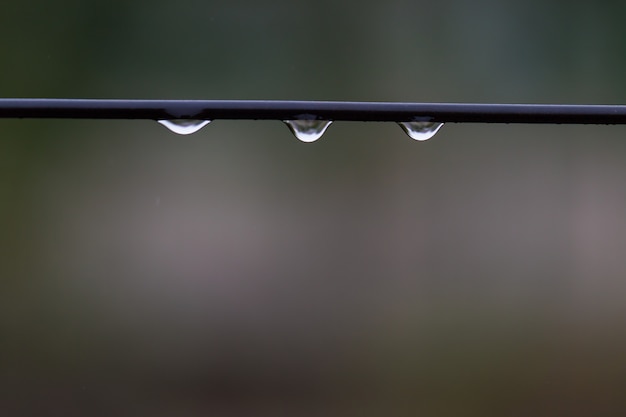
(238,271)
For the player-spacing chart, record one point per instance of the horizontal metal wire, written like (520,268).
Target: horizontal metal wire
(320,110)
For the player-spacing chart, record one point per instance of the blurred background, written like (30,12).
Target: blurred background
(240,272)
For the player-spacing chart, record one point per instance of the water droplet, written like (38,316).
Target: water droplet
(421,130)
(308,130)
(184,126)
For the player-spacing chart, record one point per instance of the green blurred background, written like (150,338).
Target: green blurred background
(238,271)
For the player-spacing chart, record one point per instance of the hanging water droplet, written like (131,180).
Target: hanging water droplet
(421,130)
(184,126)
(308,130)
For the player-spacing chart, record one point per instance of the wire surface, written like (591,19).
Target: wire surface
(319,110)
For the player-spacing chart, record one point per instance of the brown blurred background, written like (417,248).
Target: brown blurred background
(238,271)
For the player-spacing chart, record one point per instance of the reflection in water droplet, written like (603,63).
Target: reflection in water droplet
(421,130)
(308,130)
(184,126)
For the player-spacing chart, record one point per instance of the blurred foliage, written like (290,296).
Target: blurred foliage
(238,271)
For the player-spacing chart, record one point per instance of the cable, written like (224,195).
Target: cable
(311,110)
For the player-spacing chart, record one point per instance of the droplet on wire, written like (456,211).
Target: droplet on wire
(308,130)
(421,130)
(184,126)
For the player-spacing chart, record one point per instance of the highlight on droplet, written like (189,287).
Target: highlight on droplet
(184,126)
(420,130)
(308,130)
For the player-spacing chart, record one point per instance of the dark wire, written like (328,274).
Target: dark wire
(318,110)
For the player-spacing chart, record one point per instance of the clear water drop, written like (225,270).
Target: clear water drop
(421,130)
(308,130)
(184,126)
